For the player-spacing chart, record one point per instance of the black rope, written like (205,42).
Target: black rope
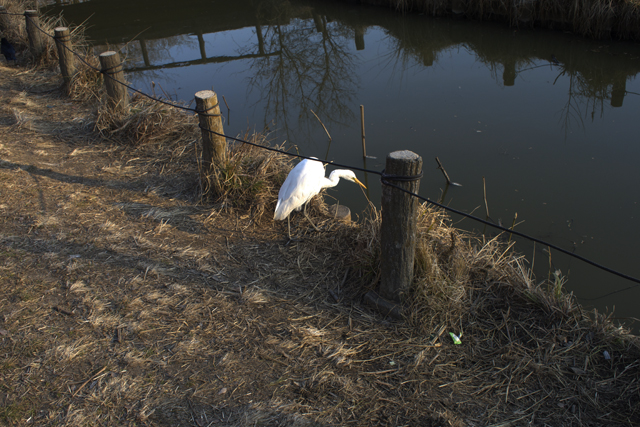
(110,71)
(106,73)
(517,233)
(291,154)
(204,112)
(385,178)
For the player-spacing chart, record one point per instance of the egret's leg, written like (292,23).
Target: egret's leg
(289,226)
(309,219)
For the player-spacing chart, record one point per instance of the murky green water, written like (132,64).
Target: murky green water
(549,120)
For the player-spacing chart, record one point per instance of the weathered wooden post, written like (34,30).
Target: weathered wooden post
(65,55)
(36,42)
(214,145)
(112,68)
(398,232)
(340,212)
(4,19)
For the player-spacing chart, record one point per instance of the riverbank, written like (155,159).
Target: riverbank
(598,19)
(128,298)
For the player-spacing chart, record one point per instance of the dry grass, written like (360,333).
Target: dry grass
(124,300)
(589,18)
(250,177)
(128,298)
(87,83)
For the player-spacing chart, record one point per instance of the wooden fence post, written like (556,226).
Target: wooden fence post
(65,56)
(36,42)
(398,232)
(214,145)
(364,144)
(4,19)
(116,92)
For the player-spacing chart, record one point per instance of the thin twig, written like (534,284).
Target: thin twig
(87,381)
(444,172)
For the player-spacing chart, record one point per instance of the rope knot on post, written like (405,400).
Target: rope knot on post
(385,177)
(206,111)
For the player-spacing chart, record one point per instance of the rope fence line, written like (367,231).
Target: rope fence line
(107,72)
(384,178)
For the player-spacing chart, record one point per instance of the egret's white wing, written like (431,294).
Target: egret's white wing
(303,182)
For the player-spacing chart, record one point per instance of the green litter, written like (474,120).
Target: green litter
(455,338)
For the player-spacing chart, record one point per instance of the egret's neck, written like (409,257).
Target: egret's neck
(334,178)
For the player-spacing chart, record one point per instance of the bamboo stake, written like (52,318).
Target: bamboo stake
(364,145)
(228,110)
(513,225)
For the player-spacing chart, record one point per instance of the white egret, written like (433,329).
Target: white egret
(303,182)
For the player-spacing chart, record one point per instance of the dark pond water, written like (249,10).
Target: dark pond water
(551,121)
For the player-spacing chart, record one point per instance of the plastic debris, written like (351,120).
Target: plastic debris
(455,338)
(606,354)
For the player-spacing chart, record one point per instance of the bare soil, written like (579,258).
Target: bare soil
(126,301)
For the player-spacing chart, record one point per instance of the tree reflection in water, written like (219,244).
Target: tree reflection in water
(312,70)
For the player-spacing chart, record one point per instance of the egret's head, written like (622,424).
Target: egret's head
(352,177)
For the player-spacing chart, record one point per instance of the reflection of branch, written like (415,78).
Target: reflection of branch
(538,66)
(558,76)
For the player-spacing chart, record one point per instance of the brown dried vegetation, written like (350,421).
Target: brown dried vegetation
(599,19)
(128,299)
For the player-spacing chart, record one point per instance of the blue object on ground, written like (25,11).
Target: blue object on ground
(8,50)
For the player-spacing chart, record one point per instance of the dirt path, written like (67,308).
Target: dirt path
(122,305)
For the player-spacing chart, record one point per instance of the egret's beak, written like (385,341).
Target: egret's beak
(359,183)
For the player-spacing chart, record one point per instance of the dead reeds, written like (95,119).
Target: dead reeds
(250,176)
(127,298)
(116,293)
(86,83)
(589,18)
